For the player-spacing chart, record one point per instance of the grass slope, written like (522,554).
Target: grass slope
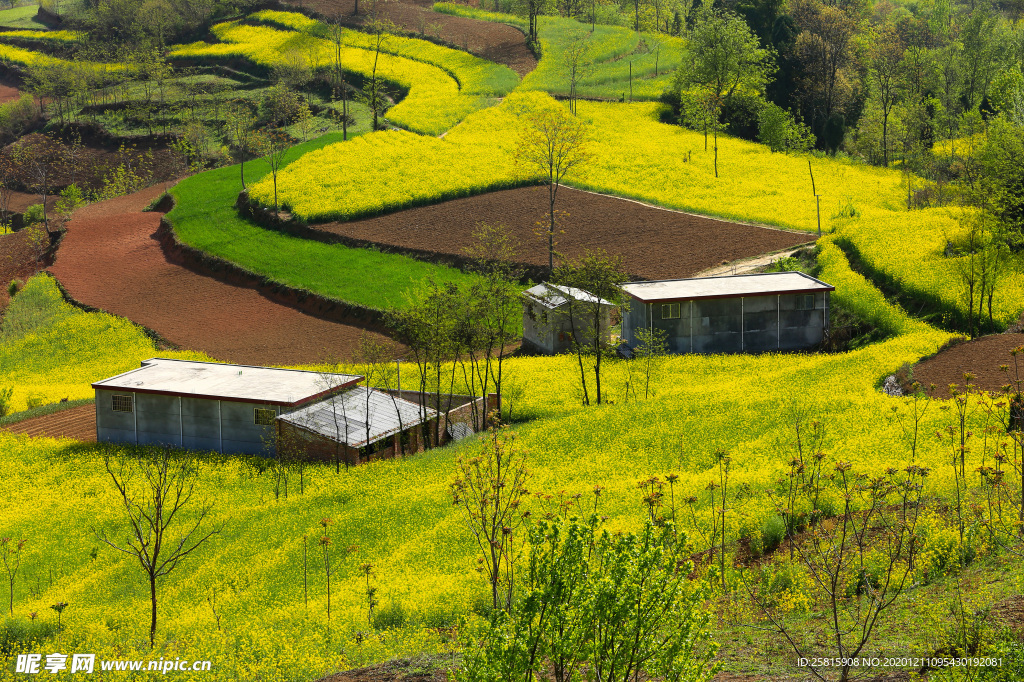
(614,50)
(204,217)
(22,17)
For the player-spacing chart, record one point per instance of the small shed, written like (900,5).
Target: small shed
(732,314)
(554,315)
(355,426)
(206,405)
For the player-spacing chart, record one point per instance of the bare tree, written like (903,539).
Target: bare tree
(10,552)
(859,563)
(552,142)
(378,355)
(374,91)
(336,35)
(490,488)
(154,492)
(273,145)
(596,278)
(241,132)
(42,157)
(577,63)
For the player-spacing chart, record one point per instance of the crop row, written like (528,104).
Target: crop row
(57,37)
(620,58)
(474,75)
(434,102)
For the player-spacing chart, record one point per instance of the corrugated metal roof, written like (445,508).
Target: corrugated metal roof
(344,417)
(218,381)
(728,286)
(552,296)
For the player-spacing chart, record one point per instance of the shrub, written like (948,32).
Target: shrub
(20,635)
(34,214)
(6,395)
(13,287)
(773,531)
(35,400)
(390,617)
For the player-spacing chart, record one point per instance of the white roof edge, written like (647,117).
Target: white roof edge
(664,289)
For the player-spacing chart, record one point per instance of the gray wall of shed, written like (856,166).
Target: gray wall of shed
(749,324)
(192,423)
(550,331)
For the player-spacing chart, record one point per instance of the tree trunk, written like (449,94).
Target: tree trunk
(152,600)
(716,149)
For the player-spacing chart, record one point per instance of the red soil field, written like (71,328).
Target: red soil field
(981,357)
(78,423)
(654,243)
(111,259)
(8,93)
(496,42)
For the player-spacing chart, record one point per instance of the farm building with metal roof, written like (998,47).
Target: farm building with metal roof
(360,419)
(205,405)
(553,315)
(242,409)
(731,314)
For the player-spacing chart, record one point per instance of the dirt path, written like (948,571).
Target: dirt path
(654,243)
(981,357)
(496,42)
(111,259)
(78,423)
(747,264)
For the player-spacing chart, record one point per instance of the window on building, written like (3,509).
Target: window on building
(121,403)
(669,311)
(264,417)
(805,302)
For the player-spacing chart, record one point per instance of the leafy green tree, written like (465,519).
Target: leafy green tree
(1002,179)
(721,56)
(779,130)
(886,78)
(619,606)
(532,10)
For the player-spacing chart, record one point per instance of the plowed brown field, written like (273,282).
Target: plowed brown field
(111,259)
(497,42)
(654,243)
(981,357)
(78,423)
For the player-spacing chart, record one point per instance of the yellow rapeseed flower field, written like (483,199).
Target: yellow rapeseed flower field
(634,155)
(436,99)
